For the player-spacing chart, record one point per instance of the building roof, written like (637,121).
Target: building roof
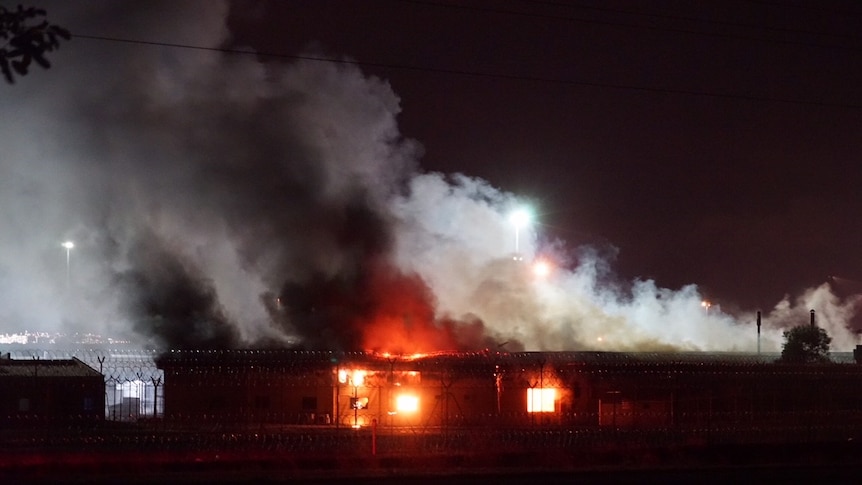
(264,358)
(284,359)
(116,363)
(45,368)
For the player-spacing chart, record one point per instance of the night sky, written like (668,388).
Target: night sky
(340,174)
(711,142)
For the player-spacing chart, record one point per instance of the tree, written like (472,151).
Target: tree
(805,344)
(25,37)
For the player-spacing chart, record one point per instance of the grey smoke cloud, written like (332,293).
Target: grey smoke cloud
(216,201)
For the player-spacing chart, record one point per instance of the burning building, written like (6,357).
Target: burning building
(474,389)
(357,388)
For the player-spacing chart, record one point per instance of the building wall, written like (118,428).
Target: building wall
(51,399)
(238,396)
(625,394)
(699,396)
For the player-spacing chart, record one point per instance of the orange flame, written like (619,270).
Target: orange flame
(404,320)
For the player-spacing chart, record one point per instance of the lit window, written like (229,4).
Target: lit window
(406,403)
(354,378)
(541,400)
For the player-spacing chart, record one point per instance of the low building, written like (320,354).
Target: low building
(571,389)
(49,392)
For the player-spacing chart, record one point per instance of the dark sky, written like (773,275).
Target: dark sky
(711,142)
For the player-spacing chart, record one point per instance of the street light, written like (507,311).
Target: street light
(705,304)
(520,218)
(68,245)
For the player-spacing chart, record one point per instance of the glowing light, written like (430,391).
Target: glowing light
(360,422)
(705,304)
(520,218)
(407,403)
(354,378)
(541,399)
(541,268)
(68,245)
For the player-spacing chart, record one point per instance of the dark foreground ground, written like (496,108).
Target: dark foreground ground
(832,463)
(112,453)
(707,476)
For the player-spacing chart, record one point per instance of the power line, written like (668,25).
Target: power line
(477,74)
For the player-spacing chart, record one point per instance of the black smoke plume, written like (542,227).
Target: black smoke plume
(170,303)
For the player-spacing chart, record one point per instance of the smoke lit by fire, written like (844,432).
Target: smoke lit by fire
(218,202)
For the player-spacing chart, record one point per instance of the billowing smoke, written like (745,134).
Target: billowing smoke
(216,201)
(167,300)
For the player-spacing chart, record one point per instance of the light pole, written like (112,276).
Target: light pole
(705,304)
(353,378)
(357,378)
(68,245)
(520,218)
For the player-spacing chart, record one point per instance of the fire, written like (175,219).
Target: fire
(402,319)
(407,403)
(541,400)
(353,377)
(389,355)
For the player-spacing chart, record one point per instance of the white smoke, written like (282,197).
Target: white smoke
(242,171)
(456,234)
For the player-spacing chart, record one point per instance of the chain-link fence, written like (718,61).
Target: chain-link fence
(480,405)
(133,385)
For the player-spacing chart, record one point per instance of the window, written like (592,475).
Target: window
(541,400)
(407,403)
